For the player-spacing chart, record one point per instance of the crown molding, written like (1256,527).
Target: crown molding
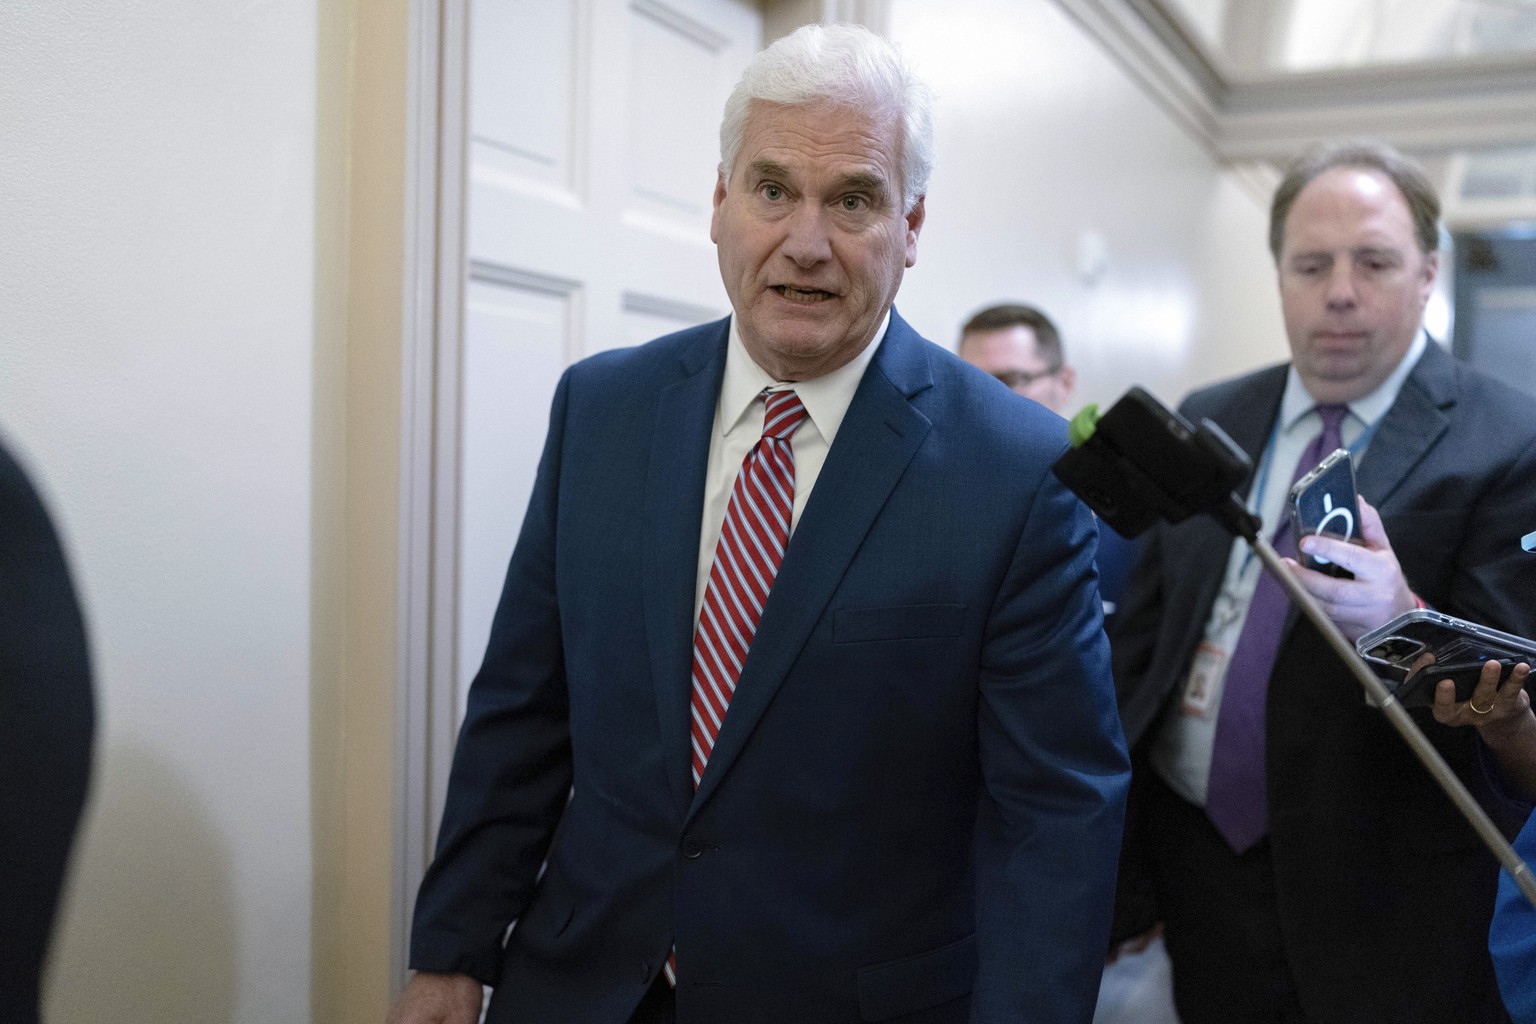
(1427,107)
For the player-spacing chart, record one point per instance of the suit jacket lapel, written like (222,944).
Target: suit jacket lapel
(1411,427)
(877,439)
(674,502)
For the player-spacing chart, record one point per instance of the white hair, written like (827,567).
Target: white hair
(845,65)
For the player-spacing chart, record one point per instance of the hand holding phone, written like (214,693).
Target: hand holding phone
(1324,501)
(1422,647)
(1464,674)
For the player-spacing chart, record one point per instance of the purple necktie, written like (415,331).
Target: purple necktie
(1236,801)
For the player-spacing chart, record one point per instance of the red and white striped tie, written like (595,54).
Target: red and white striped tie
(752,541)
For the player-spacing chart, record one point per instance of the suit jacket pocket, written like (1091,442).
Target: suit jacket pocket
(546,919)
(917,982)
(902,622)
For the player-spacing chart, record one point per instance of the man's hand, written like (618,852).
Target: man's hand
(437,999)
(1377,594)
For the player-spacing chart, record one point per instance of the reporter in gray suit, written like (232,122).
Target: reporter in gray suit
(1285,829)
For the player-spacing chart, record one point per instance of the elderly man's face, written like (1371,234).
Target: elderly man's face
(811,235)
(1353,282)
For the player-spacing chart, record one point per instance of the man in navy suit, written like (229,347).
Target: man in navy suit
(802,703)
(1314,872)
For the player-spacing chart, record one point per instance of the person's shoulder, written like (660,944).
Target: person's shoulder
(683,351)
(1206,400)
(1477,403)
(19,499)
(1505,407)
(969,399)
(964,384)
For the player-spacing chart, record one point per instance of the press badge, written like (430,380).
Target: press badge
(1204,674)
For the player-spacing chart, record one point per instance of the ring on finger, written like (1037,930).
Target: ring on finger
(1479,711)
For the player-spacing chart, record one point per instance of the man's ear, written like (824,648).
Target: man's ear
(914,220)
(1068,378)
(714,219)
(1431,271)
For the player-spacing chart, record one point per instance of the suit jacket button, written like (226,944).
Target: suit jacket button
(693,847)
(645,973)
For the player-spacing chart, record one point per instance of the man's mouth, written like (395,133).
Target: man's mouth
(806,295)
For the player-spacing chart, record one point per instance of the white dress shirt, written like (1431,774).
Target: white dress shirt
(1181,751)
(739,424)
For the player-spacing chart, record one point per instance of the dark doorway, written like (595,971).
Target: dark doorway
(1496,303)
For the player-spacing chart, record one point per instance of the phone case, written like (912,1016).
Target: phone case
(1459,648)
(1324,501)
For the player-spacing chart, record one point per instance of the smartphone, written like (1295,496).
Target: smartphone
(1324,501)
(1457,650)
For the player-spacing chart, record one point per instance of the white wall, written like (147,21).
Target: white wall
(1042,140)
(157,197)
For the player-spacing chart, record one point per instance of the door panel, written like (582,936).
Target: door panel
(594,131)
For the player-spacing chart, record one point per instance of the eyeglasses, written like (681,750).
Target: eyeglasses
(1016,379)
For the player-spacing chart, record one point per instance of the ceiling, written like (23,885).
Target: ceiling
(1451,81)
(1258,36)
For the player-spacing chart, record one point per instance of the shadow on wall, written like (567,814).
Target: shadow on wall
(147,931)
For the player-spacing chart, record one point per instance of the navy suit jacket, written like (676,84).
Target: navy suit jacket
(47,722)
(1383,890)
(913,809)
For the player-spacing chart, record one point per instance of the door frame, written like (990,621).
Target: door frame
(437,68)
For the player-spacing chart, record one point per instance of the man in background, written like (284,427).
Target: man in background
(802,705)
(1020,346)
(1305,866)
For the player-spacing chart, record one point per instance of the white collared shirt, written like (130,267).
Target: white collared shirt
(739,424)
(1181,751)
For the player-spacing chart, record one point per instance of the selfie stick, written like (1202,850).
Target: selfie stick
(1141,462)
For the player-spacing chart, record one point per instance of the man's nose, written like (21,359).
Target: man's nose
(1341,286)
(808,240)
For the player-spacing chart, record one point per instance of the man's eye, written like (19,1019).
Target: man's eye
(854,203)
(773,192)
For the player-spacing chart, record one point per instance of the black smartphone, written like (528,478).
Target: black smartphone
(1420,685)
(1458,650)
(1324,501)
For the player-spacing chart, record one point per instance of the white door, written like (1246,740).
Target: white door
(593,147)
